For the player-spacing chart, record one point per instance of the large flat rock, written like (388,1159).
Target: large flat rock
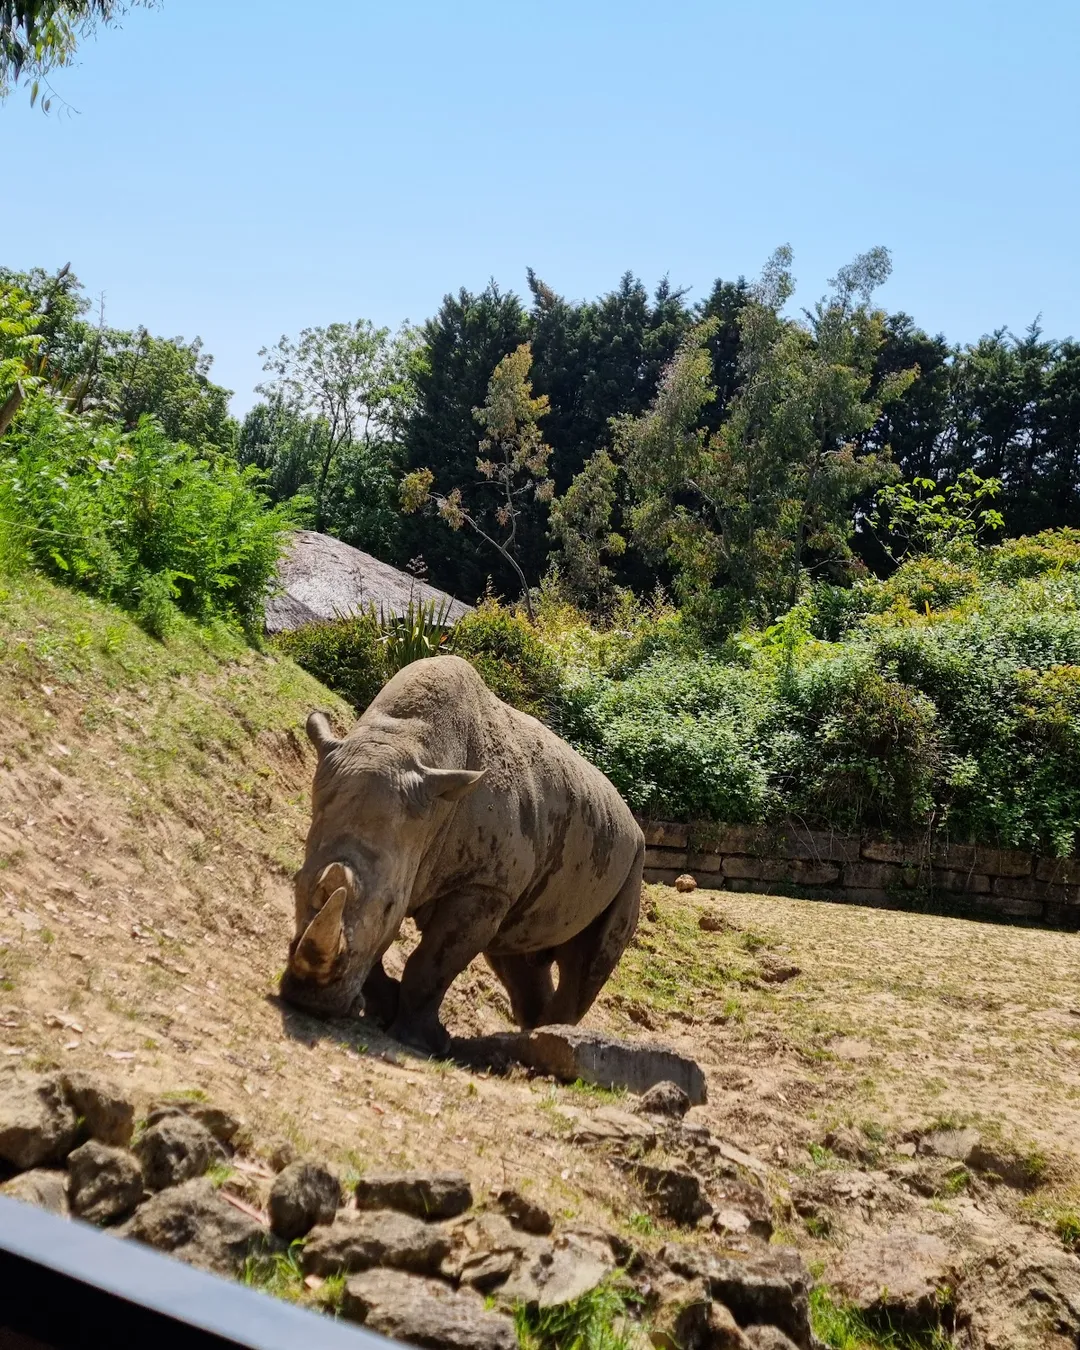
(571,1053)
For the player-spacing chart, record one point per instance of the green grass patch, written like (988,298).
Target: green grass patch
(843,1327)
(599,1320)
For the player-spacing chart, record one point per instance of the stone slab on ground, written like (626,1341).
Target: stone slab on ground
(425,1312)
(898,1276)
(571,1053)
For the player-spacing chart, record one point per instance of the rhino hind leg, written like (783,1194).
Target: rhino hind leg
(529,984)
(587,961)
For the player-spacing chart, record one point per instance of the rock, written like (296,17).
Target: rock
(487,1251)
(673,1193)
(176,1149)
(957,1144)
(570,1053)
(664,1099)
(608,1124)
(107,1114)
(105,1184)
(712,923)
(37,1123)
(221,1124)
(686,883)
(355,1242)
(428,1195)
(561,1271)
(303,1195)
(1003,1165)
(772,1289)
(897,1276)
(685,1317)
(282,1154)
(523,1213)
(1020,1298)
(45,1187)
(778,973)
(741,1210)
(193,1222)
(768,1338)
(425,1313)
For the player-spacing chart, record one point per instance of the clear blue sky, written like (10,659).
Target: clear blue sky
(238,169)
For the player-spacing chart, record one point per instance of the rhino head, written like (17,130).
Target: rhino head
(373,810)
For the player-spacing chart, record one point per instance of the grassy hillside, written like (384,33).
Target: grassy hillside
(153,802)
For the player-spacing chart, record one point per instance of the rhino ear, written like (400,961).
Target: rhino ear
(324,937)
(449,784)
(319,733)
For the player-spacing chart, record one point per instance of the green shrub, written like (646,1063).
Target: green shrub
(1052,551)
(138,520)
(347,655)
(507,651)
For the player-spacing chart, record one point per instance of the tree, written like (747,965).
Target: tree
(743,512)
(513,464)
(36,36)
(917,518)
(582,530)
(351,378)
(168,379)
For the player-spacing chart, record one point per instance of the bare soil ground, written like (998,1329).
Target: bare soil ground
(153,802)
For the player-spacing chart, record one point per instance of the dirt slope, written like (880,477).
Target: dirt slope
(153,802)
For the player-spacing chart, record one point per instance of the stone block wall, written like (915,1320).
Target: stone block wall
(862,869)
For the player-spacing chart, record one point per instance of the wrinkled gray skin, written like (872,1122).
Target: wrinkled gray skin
(445,804)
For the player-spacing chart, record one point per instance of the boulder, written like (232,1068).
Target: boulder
(46,1187)
(37,1123)
(428,1195)
(608,1124)
(222,1124)
(772,1289)
(193,1222)
(175,1150)
(897,1276)
(673,1193)
(768,1338)
(106,1113)
(523,1213)
(664,1099)
(105,1183)
(685,883)
(954,1144)
(487,1250)
(1020,1298)
(303,1194)
(850,1145)
(570,1053)
(561,1270)
(685,1317)
(355,1242)
(741,1209)
(425,1313)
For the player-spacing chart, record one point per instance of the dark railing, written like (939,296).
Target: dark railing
(64,1284)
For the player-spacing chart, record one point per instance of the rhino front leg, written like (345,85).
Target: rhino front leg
(458,929)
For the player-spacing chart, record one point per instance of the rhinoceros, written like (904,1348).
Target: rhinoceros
(448,805)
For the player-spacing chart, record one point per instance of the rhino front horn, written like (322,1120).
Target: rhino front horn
(324,937)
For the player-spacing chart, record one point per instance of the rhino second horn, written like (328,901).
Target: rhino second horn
(324,936)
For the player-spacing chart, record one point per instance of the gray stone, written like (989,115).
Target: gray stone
(673,1193)
(222,1124)
(488,1250)
(664,1099)
(768,1338)
(523,1213)
(106,1113)
(561,1271)
(37,1123)
(1020,1298)
(106,1183)
(45,1187)
(772,1289)
(958,1144)
(569,1054)
(608,1125)
(428,1195)
(357,1241)
(741,1209)
(897,1276)
(175,1150)
(192,1221)
(303,1194)
(425,1313)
